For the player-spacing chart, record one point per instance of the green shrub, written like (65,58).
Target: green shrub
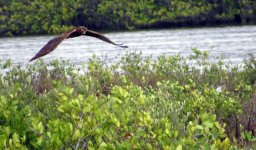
(170,102)
(56,16)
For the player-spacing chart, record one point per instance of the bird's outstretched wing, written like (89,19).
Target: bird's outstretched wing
(81,30)
(52,44)
(102,37)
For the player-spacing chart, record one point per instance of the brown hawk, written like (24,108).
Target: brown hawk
(78,31)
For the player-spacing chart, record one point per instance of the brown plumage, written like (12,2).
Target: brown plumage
(78,31)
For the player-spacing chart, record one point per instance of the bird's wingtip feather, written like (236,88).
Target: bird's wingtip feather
(32,59)
(121,45)
(124,46)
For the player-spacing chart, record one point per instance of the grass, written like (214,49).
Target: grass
(136,103)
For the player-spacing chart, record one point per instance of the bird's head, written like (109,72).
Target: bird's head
(82,29)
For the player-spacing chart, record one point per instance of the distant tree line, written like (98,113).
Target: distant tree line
(54,16)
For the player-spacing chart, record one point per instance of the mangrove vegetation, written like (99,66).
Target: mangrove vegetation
(55,16)
(169,102)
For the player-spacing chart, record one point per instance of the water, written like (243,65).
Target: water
(233,43)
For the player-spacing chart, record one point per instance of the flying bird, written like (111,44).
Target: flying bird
(78,31)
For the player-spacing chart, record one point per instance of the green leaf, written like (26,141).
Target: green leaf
(208,124)
(179,147)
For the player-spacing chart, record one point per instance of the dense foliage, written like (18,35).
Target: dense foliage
(47,16)
(170,102)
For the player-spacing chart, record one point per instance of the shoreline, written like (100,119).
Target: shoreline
(155,26)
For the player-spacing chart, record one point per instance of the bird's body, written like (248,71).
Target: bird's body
(78,31)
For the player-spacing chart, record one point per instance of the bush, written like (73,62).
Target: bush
(170,102)
(51,17)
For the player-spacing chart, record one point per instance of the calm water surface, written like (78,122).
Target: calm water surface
(232,43)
